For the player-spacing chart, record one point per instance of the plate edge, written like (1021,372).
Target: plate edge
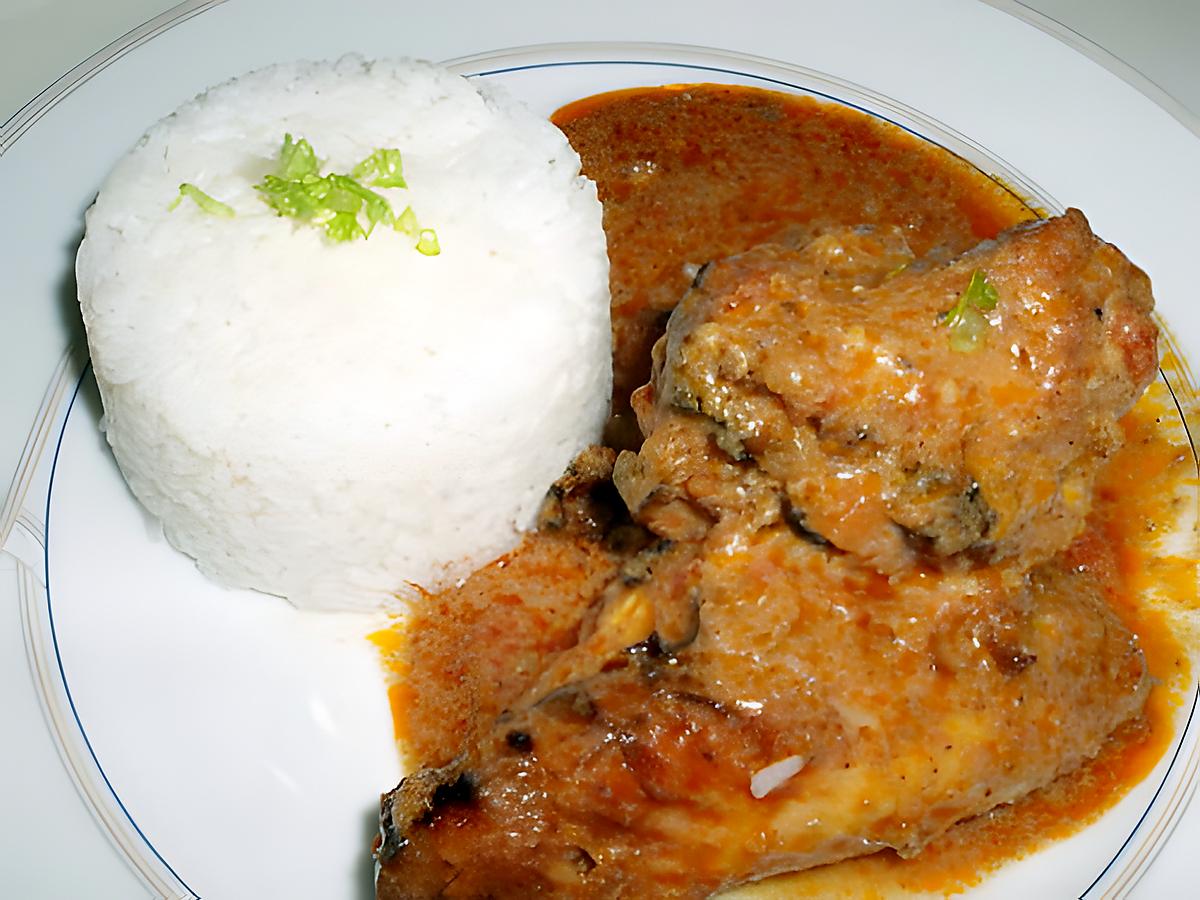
(24,118)
(1103,57)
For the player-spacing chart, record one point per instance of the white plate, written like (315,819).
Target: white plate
(232,747)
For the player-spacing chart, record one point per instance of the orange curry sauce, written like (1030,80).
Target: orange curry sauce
(692,173)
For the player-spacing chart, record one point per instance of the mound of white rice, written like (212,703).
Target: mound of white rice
(334,422)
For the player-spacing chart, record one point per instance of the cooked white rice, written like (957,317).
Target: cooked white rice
(336,422)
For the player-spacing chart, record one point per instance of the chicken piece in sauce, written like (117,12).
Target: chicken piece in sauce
(802,710)
(741,699)
(824,386)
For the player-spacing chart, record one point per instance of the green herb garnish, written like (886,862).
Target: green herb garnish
(427,242)
(297,159)
(407,222)
(206,202)
(341,204)
(968,326)
(381,169)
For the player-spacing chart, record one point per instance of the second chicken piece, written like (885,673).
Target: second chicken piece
(903,410)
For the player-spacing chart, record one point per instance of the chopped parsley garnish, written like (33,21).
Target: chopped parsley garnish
(343,205)
(965,319)
(206,202)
